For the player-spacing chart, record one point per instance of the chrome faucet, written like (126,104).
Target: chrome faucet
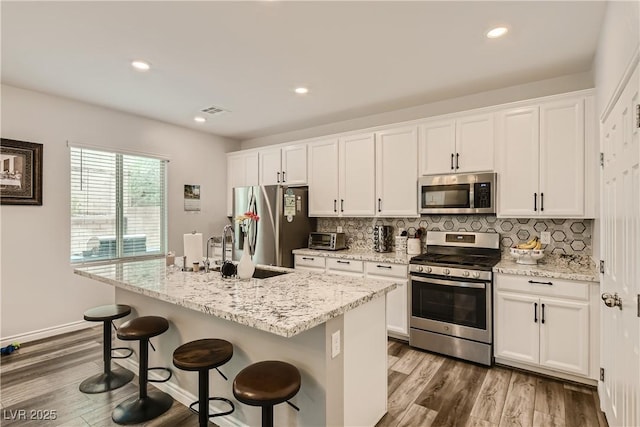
(225,230)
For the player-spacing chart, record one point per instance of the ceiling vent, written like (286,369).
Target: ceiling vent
(214,111)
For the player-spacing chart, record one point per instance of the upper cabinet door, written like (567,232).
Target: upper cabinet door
(518,131)
(437,147)
(474,144)
(397,172)
(357,175)
(251,169)
(270,166)
(294,165)
(236,171)
(323,178)
(562,158)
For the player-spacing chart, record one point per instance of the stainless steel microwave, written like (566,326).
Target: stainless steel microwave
(460,194)
(327,241)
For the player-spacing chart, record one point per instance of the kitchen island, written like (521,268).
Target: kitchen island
(332,328)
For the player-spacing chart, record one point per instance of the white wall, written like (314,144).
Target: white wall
(38,287)
(541,88)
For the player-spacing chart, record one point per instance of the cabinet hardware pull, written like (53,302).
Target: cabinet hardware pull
(535,202)
(283,177)
(343,262)
(541,202)
(335,204)
(278,178)
(341,205)
(542,320)
(457,161)
(379,207)
(384,266)
(451,161)
(535,312)
(307,258)
(541,283)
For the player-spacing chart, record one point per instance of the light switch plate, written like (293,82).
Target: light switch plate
(545,237)
(335,344)
(339,229)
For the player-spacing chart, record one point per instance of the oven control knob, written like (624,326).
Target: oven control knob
(446,271)
(427,269)
(420,269)
(475,274)
(465,274)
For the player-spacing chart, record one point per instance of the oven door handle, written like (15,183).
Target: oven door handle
(450,283)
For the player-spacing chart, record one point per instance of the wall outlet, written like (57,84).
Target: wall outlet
(335,344)
(545,237)
(339,229)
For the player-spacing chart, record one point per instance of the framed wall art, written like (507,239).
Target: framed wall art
(20,173)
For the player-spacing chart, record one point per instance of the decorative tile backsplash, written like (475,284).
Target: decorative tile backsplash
(568,236)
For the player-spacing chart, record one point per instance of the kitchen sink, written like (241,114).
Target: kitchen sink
(262,273)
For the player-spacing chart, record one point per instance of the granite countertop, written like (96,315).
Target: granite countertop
(358,255)
(284,305)
(582,269)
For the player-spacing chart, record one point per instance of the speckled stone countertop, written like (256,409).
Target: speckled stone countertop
(569,268)
(284,305)
(359,255)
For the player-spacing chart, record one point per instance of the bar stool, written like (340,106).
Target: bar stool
(109,379)
(202,356)
(146,406)
(267,384)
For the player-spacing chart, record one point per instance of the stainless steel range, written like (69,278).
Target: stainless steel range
(451,295)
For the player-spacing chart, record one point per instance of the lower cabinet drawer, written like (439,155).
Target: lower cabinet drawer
(345,265)
(309,261)
(386,269)
(543,286)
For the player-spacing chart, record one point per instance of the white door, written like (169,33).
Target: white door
(397,314)
(518,131)
(516,327)
(251,169)
(270,167)
(562,158)
(397,172)
(236,171)
(474,143)
(294,165)
(357,175)
(323,178)
(437,147)
(564,335)
(620,335)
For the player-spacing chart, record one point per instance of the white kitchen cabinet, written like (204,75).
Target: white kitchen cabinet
(310,263)
(286,165)
(323,178)
(541,160)
(357,175)
(397,172)
(464,144)
(242,170)
(398,299)
(543,323)
(345,267)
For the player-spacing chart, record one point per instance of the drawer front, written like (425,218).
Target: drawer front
(309,261)
(345,265)
(543,286)
(386,270)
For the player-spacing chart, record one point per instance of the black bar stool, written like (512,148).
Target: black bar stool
(109,379)
(267,384)
(202,356)
(146,406)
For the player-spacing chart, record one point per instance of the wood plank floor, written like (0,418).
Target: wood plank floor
(425,389)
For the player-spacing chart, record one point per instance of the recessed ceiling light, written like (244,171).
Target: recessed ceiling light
(141,65)
(494,33)
(199,119)
(301,90)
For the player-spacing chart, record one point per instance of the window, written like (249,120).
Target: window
(118,205)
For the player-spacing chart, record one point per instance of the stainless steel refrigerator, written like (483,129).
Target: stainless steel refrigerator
(284,223)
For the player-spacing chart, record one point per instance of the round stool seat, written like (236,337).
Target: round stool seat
(202,354)
(107,312)
(266,383)
(143,328)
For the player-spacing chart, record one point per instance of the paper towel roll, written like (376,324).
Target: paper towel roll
(193,248)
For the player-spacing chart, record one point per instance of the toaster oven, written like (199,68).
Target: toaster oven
(327,241)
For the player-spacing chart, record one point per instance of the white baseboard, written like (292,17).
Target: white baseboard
(180,394)
(46,332)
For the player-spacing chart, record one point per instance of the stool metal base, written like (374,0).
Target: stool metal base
(102,382)
(219,414)
(138,410)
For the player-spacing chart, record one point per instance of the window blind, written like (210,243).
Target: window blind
(118,205)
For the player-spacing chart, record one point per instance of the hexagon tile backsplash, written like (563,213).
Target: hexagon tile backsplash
(568,236)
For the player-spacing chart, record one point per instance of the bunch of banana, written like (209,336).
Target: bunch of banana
(531,244)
